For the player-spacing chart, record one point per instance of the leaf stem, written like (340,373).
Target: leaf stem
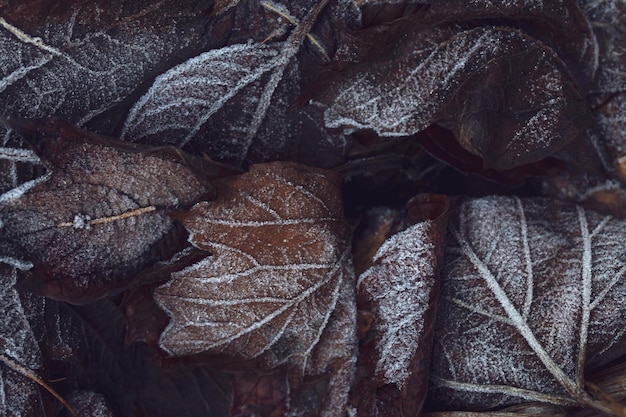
(103,220)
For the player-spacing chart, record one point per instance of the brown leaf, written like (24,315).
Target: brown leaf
(533,295)
(98,218)
(279,282)
(401,290)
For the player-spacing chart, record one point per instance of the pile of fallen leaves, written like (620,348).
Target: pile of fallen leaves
(312,208)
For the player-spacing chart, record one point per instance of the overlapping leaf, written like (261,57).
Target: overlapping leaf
(279,282)
(234,102)
(98,219)
(533,296)
(401,290)
(19,396)
(466,77)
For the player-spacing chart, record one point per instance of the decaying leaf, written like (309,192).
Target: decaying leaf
(401,290)
(98,218)
(279,282)
(533,296)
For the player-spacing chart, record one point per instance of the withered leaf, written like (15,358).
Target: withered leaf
(465,77)
(279,283)
(401,289)
(98,218)
(533,296)
(234,102)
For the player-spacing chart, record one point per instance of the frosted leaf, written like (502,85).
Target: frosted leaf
(79,61)
(279,282)
(98,219)
(462,77)
(235,102)
(18,395)
(533,296)
(607,18)
(400,289)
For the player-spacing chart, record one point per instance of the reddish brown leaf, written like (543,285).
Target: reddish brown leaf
(279,282)
(98,219)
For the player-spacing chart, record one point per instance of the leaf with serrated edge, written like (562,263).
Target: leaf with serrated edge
(279,282)
(532,296)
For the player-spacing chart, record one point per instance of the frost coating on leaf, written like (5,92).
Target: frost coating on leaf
(503,306)
(279,284)
(185,97)
(459,76)
(279,266)
(18,343)
(93,223)
(400,285)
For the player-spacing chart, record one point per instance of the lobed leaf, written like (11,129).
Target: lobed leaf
(279,282)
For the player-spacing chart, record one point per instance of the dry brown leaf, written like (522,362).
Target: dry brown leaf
(279,283)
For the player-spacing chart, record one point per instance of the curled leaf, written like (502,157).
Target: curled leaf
(401,289)
(465,76)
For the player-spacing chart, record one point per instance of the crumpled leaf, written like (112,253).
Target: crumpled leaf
(98,219)
(279,283)
(401,289)
(19,396)
(234,102)
(535,287)
(464,76)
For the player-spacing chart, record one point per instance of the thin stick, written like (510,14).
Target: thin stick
(295,22)
(35,378)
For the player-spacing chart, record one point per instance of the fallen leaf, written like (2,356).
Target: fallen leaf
(606,18)
(463,76)
(532,297)
(235,102)
(279,282)
(99,218)
(81,59)
(401,290)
